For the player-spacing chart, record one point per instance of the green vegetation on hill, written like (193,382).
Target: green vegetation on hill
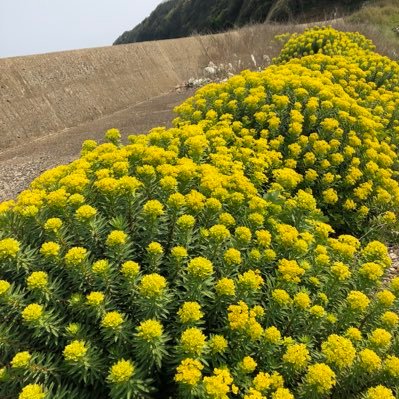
(382,14)
(179,18)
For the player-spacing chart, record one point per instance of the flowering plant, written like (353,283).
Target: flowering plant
(216,259)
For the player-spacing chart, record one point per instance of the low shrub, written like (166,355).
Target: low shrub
(214,259)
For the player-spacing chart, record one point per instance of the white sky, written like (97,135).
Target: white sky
(41,26)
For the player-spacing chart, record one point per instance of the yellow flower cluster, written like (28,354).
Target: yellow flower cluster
(32,312)
(121,371)
(75,351)
(150,330)
(9,247)
(189,371)
(32,391)
(220,251)
(21,359)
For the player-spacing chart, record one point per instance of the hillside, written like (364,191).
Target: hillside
(179,18)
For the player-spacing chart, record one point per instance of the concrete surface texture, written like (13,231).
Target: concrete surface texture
(48,93)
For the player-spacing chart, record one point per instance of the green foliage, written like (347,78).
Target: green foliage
(179,18)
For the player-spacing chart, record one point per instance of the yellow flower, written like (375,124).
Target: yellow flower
(317,311)
(219,233)
(248,364)
(369,360)
(186,222)
(75,351)
(179,252)
(121,371)
(76,199)
(85,212)
(256,219)
(272,335)
(153,209)
(354,334)
(390,319)
(150,330)
(72,329)
(53,224)
(112,320)
(238,316)
(152,285)
(281,297)
(253,394)
(287,234)
(37,280)
(50,249)
(395,285)
(232,256)
(130,269)
(287,178)
(385,298)
(302,300)
(379,392)
(243,235)
(226,219)
(4,286)
(21,360)
(95,298)
(32,312)
(338,351)
(357,301)
(116,238)
(88,145)
(75,256)
(262,381)
(112,134)
(32,391)
(200,267)
(320,377)
(263,238)
(250,280)
(218,385)
(282,393)
(380,338)
(176,201)
(193,341)
(290,270)
(330,196)
(9,248)
(100,266)
(155,249)
(340,271)
(189,372)
(371,271)
(391,365)
(217,344)
(190,312)
(107,185)
(168,183)
(297,356)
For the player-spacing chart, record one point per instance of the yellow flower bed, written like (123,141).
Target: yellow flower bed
(216,259)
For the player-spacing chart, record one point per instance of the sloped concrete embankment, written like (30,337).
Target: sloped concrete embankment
(44,94)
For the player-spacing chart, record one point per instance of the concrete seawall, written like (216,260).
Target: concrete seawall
(47,93)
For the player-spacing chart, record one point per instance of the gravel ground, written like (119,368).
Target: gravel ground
(20,165)
(394,269)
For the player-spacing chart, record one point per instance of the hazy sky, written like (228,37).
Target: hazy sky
(40,26)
